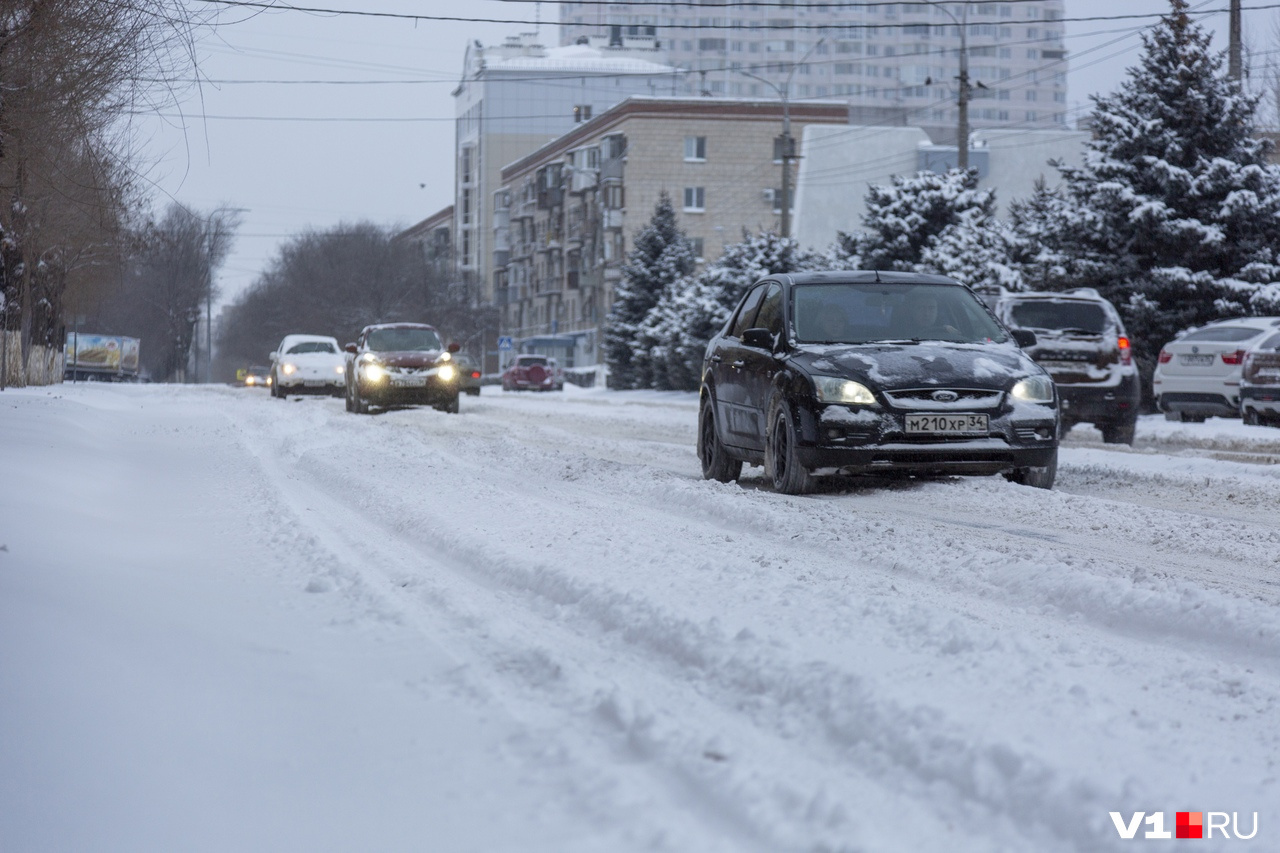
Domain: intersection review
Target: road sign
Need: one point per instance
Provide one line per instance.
(505, 342)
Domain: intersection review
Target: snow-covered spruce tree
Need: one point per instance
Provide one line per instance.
(662, 255)
(975, 250)
(694, 308)
(1174, 213)
(905, 217)
(1038, 262)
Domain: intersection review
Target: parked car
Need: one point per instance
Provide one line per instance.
(469, 375)
(1198, 373)
(394, 364)
(257, 377)
(873, 372)
(1260, 383)
(1082, 342)
(532, 372)
(306, 364)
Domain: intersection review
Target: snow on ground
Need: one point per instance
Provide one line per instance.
(229, 622)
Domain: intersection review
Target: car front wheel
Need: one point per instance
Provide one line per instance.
(359, 404)
(449, 406)
(1038, 478)
(717, 464)
(1118, 433)
(783, 455)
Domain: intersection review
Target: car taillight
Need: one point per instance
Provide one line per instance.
(1165, 356)
(475, 374)
(1126, 352)
(1233, 357)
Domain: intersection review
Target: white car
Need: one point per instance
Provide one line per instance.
(1198, 374)
(308, 364)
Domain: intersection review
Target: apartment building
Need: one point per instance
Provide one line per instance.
(894, 63)
(565, 213)
(517, 96)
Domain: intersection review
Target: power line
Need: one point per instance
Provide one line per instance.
(277, 6)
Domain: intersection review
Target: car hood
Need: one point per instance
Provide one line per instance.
(898, 366)
(411, 358)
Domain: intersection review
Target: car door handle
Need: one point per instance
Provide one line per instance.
(738, 365)
(717, 359)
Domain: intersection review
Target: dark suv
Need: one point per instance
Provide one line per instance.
(1082, 343)
(394, 364)
(872, 372)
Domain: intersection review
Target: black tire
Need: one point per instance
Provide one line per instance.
(1038, 478)
(449, 406)
(346, 399)
(359, 404)
(782, 456)
(1118, 433)
(1250, 417)
(717, 464)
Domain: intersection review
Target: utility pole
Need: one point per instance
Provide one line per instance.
(962, 100)
(786, 142)
(1234, 64)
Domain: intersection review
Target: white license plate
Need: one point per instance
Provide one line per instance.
(948, 424)
(1195, 360)
(314, 383)
(409, 381)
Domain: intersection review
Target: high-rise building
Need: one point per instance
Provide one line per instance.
(895, 63)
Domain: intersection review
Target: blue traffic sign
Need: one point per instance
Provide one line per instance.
(505, 342)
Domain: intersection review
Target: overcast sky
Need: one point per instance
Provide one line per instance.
(310, 155)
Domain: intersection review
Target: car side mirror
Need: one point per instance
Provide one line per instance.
(1024, 337)
(758, 338)
(351, 348)
(455, 346)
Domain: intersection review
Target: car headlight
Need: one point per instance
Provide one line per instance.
(832, 389)
(446, 372)
(289, 368)
(1034, 389)
(446, 356)
(374, 372)
(339, 370)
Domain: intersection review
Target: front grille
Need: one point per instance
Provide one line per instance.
(922, 399)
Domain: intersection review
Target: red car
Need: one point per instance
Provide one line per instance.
(530, 372)
(397, 364)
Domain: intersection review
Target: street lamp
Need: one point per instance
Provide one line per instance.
(788, 144)
(962, 101)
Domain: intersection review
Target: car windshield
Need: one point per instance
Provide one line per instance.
(1223, 334)
(313, 346)
(866, 312)
(403, 340)
(529, 361)
(1059, 315)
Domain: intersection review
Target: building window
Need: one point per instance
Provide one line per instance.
(582, 112)
(613, 197)
(695, 148)
(466, 165)
(466, 207)
(695, 199)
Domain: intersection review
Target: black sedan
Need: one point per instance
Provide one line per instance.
(873, 373)
(397, 364)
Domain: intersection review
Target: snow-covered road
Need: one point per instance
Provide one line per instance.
(230, 622)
